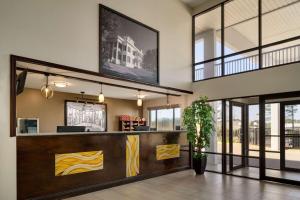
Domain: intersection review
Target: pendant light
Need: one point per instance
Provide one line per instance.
(101, 96)
(46, 89)
(84, 102)
(168, 102)
(139, 100)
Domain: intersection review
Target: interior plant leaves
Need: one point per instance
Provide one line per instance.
(199, 113)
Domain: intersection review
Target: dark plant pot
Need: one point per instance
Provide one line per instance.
(199, 165)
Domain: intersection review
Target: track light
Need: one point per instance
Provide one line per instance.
(46, 89)
(101, 96)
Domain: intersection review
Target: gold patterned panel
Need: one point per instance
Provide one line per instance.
(80, 162)
(132, 155)
(168, 151)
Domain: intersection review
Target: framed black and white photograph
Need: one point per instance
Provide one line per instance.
(90, 115)
(128, 49)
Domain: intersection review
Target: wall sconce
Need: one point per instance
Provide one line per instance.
(101, 95)
(46, 89)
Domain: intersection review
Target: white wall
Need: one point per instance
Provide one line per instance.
(266, 81)
(66, 32)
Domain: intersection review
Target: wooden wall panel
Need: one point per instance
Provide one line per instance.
(148, 160)
(36, 162)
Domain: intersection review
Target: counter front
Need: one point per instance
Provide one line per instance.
(62, 165)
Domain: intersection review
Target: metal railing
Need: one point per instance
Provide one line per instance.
(292, 139)
(276, 57)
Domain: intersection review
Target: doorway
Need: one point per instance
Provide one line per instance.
(290, 136)
(236, 136)
(242, 138)
(282, 135)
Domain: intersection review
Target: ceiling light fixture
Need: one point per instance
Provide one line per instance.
(101, 95)
(61, 84)
(140, 99)
(46, 89)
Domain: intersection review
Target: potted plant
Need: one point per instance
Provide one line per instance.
(199, 122)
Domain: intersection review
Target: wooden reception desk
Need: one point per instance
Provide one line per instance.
(61, 165)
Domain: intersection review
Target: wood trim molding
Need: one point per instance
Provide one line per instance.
(13, 112)
(164, 107)
(78, 70)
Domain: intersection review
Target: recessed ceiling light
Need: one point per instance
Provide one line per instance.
(60, 84)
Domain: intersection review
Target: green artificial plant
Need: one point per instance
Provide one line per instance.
(198, 120)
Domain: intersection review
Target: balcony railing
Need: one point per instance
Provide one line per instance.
(276, 57)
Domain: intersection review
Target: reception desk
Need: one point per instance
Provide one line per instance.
(52, 166)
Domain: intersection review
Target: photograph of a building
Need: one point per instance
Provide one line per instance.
(128, 49)
(122, 51)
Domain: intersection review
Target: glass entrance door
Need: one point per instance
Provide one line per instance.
(282, 150)
(290, 136)
(236, 136)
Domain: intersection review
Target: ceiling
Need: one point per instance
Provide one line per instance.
(89, 83)
(36, 81)
(193, 3)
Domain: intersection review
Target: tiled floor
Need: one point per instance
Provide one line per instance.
(186, 186)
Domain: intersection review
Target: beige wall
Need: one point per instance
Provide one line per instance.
(66, 32)
(31, 104)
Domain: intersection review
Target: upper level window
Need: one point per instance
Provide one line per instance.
(165, 119)
(228, 39)
(207, 34)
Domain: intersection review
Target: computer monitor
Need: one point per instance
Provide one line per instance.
(66, 129)
(141, 128)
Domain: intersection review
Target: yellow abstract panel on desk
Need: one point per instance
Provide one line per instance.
(132, 155)
(167, 151)
(80, 162)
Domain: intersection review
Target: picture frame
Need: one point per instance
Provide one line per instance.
(128, 49)
(28, 125)
(89, 114)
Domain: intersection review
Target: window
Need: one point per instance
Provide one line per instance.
(244, 35)
(165, 119)
(152, 120)
(207, 35)
(128, 59)
(129, 49)
(240, 25)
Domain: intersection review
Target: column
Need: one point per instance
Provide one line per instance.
(275, 126)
